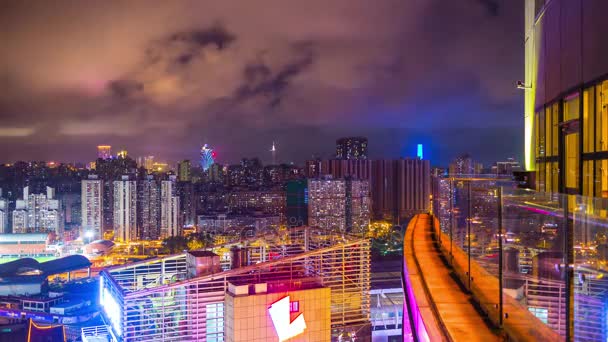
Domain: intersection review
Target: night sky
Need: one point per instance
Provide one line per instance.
(163, 77)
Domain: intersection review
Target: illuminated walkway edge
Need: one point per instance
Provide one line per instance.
(440, 310)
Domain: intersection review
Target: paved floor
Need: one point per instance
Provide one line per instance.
(457, 314)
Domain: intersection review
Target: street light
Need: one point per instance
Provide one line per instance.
(89, 235)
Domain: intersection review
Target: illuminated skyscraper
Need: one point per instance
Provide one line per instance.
(38, 213)
(462, 165)
(207, 157)
(92, 206)
(342, 204)
(273, 151)
(351, 148)
(146, 162)
(125, 209)
(148, 208)
(183, 171)
(169, 210)
(3, 215)
(122, 154)
(104, 151)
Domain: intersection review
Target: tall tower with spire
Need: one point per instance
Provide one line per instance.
(273, 150)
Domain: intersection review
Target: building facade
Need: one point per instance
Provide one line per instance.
(4, 228)
(125, 210)
(315, 289)
(92, 206)
(104, 151)
(183, 171)
(351, 148)
(342, 204)
(148, 208)
(169, 210)
(566, 96)
(38, 213)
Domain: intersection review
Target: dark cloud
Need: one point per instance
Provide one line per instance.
(216, 35)
(165, 76)
(261, 81)
(125, 88)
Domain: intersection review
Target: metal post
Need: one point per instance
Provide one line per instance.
(568, 272)
(500, 280)
(469, 231)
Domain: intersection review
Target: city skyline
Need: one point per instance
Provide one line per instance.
(196, 76)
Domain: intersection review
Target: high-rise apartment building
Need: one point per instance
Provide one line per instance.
(353, 168)
(342, 204)
(147, 162)
(351, 148)
(400, 188)
(169, 209)
(125, 209)
(413, 187)
(296, 200)
(184, 171)
(464, 165)
(148, 208)
(104, 151)
(38, 213)
(566, 96)
(92, 206)
(3, 215)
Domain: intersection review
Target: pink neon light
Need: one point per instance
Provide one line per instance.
(284, 326)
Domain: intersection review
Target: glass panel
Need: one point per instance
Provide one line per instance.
(554, 135)
(572, 157)
(588, 110)
(588, 178)
(533, 282)
(541, 134)
(601, 178)
(601, 117)
(540, 186)
(548, 131)
(571, 107)
(590, 259)
(548, 184)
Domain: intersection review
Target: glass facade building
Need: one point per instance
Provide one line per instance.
(566, 100)
(325, 275)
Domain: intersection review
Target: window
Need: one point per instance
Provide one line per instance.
(540, 313)
(540, 168)
(588, 178)
(555, 121)
(540, 134)
(572, 157)
(548, 131)
(215, 322)
(601, 178)
(588, 122)
(571, 107)
(601, 117)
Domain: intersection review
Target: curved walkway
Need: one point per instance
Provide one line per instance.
(443, 308)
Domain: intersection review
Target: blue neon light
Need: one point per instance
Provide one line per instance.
(419, 153)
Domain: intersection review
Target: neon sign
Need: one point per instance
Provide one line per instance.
(284, 326)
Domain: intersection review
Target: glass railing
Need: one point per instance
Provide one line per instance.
(536, 263)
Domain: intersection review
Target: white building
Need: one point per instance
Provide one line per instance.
(341, 204)
(92, 207)
(169, 209)
(3, 215)
(125, 210)
(38, 213)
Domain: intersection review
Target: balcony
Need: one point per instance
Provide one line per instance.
(494, 261)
